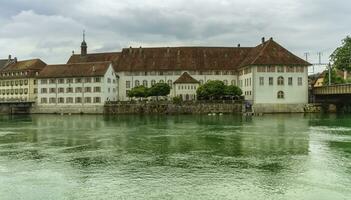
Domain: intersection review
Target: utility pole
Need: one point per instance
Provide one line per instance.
(306, 56)
(319, 58)
(329, 69)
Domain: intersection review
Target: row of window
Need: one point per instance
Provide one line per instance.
(280, 81)
(187, 87)
(15, 82)
(15, 74)
(70, 90)
(169, 82)
(70, 100)
(14, 91)
(75, 80)
(281, 69)
(171, 73)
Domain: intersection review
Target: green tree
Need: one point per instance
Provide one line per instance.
(232, 90)
(138, 92)
(341, 57)
(335, 79)
(159, 89)
(211, 90)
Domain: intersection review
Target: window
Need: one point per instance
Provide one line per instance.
(61, 100)
(201, 82)
(78, 80)
(52, 81)
(161, 81)
(169, 82)
(78, 99)
(61, 81)
(44, 90)
(61, 90)
(290, 69)
(52, 90)
(280, 69)
(97, 100)
(137, 83)
(87, 99)
(43, 100)
(69, 100)
(145, 83)
(25, 82)
(280, 80)
(300, 69)
(108, 80)
(16, 82)
(43, 81)
(78, 89)
(88, 80)
(280, 95)
(20, 91)
(69, 90)
(261, 69)
(16, 91)
(127, 84)
(87, 89)
(69, 80)
(153, 82)
(26, 91)
(35, 91)
(271, 69)
(225, 82)
(97, 79)
(233, 82)
(270, 80)
(97, 89)
(290, 81)
(52, 100)
(299, 81)
(261, 80)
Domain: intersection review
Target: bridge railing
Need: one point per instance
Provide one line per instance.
(332, 89)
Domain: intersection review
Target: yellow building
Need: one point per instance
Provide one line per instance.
(18, 80)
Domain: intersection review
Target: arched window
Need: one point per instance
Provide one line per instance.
(169, 83)
(280, 80)
(161, 81)
(145, 83)
(233, 82)
(137, 83)
(280, 95)
(153, 82)
(225, 82)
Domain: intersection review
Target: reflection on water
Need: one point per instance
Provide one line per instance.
(175, 157)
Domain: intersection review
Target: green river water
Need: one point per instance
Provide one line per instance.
(175, 157)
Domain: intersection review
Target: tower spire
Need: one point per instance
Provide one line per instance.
(83, 46)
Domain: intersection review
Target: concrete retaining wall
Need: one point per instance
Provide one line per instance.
(67, 109)
(279, 108)
(169, 108)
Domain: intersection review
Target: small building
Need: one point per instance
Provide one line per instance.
(185, 87)
(18, 80)
(76, 88)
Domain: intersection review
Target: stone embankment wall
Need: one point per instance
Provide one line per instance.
(170, 108)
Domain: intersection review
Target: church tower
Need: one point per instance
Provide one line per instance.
(83, 47)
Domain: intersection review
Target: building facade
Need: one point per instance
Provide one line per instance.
(76, 88)
(18, 80)
(272, 78)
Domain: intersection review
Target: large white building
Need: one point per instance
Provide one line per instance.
(272, 78)
(76, 88)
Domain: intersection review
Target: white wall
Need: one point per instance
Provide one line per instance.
(293, 94)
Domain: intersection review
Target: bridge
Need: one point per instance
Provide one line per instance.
(16, 107)
(338, 95)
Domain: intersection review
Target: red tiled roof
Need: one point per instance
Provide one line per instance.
(75, 70)
(24, 65)
(181, 58)
(186, 78)
(94, 57)
(271, 53)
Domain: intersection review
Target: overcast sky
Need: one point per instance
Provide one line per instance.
(51, 29)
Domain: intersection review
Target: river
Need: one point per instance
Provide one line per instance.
(175, 157)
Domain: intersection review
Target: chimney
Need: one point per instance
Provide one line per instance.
(93, 68)
(271, 38)
(130, 49)
(9, 60)
(345, 74)
(263, 40)
(239, 45)
(15, 59)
